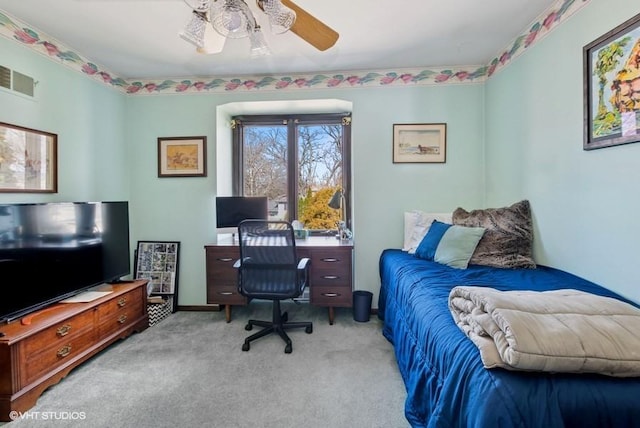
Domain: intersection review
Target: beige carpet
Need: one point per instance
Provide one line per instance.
(189, 371)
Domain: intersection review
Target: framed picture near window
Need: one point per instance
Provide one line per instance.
(28, 160)
(612, 87)
(420, 143)
(182, 157)
(157, 262)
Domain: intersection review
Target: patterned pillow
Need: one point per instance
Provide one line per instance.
(416, 226)
(508, 239)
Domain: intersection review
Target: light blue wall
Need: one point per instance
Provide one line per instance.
(519, 136)
(89, 119)
(584, 203)
(183, 208)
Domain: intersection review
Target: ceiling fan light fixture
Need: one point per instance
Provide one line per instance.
(199, 5)
(195, 29)
(259, 46)
(231, 18)
(213, 42)
(281, 18)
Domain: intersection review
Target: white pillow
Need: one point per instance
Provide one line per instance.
(416, 226)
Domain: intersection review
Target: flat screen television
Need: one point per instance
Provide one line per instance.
(52, 251)
(231, 210)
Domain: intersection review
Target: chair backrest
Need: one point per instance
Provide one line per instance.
(268, 260)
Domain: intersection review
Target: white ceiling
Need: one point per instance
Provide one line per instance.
(139, 38)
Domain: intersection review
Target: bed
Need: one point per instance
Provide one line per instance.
(447, 384)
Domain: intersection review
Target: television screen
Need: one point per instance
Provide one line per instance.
(231, 210)
(51, 251)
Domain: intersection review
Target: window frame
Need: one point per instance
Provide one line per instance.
(291, 121)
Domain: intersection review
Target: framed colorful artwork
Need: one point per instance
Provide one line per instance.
(182, 157)
(612, 87)
(420, 143)
(28, 160)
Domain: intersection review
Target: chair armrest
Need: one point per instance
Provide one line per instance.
(303, 263)
(237, 264)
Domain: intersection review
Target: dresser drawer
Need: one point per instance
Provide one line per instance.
(59, 333)
(120, 312)
(54, 355)
(331, 296)
(131, 300)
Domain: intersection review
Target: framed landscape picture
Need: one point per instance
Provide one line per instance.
(182, 157)
(612, 87)
(28, 160)
(420, 143)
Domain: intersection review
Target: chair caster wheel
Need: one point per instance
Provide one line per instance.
(248, 327)
(308, 329)
(288, 348)
(245, 346)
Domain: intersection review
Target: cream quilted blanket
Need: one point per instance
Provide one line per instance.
(551, 331)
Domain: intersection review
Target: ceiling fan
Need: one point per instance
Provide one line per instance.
(213, 21)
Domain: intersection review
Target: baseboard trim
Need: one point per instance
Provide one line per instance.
(200, 308)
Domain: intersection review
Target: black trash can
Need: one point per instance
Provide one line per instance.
(362, 305)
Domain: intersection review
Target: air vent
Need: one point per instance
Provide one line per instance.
(23, 83)
(5, 77)
(17, 82)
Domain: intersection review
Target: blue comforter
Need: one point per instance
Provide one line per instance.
(447, 385)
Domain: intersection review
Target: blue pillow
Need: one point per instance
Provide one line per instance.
(427, 247)
(448, 244)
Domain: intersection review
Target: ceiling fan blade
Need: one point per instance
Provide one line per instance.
(310, 29)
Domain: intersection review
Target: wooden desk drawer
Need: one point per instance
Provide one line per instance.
(331, 296)
(226, 295)
(220, 264)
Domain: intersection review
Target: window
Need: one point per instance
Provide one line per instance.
(298, 162)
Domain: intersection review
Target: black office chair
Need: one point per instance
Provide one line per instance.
(269, 269)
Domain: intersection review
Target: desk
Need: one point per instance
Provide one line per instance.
(330, 273)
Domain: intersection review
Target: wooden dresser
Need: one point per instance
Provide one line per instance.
(40, 349)
(330, 282)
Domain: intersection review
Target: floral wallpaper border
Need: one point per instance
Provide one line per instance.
(20, 32)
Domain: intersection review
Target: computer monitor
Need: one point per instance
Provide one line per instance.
(231, 210)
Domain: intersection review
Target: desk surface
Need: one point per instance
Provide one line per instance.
(311, 241)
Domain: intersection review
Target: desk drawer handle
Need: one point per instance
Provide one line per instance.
(63, 331)
(330, 259)
(122, 301)
(330, 277)
(64, 351)
(225, 259)
(331, 294)
(122, 319)
(225, 293)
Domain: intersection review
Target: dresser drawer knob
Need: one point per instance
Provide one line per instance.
(64, 351)
(122, 301)
(330, 277)
(330, 259)
(331, 294)
(63, 331)
(122, 319)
